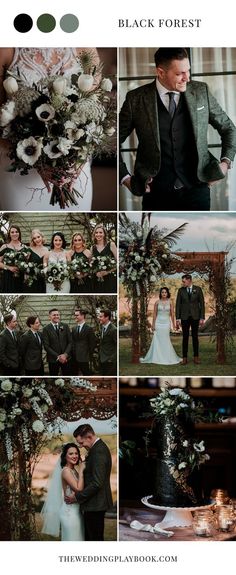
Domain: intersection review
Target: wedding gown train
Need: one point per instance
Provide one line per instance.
(161, 350)
(61, 519)
(28, 193)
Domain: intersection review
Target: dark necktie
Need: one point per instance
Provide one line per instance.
(38, 338)
(189, 292)
(103, 331)
(14, 336)
(57, 329)
(172, 104)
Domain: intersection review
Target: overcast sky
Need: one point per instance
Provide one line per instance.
(205, 231)
(107, 427)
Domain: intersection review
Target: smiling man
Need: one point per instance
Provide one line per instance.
(174, 168)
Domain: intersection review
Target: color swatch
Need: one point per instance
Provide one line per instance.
(23, 23)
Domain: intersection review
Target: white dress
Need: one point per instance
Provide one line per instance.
(53, 258)
(28, 193)
(71, 520)
(161, 350)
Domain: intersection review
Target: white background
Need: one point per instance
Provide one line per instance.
(99, 27)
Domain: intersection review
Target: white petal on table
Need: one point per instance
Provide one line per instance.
(148, 527)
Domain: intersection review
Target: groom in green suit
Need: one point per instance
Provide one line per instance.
(190, 312)
(174, 168)
(96, 498)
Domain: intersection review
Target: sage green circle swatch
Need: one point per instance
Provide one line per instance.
(69, 23)
(46, 23)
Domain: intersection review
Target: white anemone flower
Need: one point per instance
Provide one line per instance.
(64, 145)
(52, 150)
(29, 150)
(45, 112)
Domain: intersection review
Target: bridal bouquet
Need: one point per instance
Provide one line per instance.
(55, 274)
(55, 126)
(78, 267)
(103, 264)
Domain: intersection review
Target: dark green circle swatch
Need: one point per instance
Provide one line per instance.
(23, 23)
(46, 23)
(69, 23)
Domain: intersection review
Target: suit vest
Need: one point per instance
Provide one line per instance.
(178, 148)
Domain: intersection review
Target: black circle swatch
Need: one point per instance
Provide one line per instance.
(23, 23)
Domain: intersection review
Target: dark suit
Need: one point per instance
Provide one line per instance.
(31, 353)
(141, 112)
(9, 353)
(190, 309)
(57, 344)
(96, 496)
(108, 351)
(83, 345)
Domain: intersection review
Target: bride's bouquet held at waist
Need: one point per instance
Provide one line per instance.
(56, 126)
(55, 274)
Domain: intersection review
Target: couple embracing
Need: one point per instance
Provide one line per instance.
(190, 313)
(79, 493)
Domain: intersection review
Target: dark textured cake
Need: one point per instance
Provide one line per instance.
(177, 481)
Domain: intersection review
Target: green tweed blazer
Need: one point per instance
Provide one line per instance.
(140, 113)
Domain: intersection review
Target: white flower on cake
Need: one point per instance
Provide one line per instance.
(182, 465)
(199, 446)
(29, 150)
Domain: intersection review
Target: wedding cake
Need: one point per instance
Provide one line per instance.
(177, 480)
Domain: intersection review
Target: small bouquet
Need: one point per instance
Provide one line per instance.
(55, 274)
(58, 124)
(16, 258)
(30, 270)
(101, 264)
(78, 267)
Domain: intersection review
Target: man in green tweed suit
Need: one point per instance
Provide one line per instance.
(190, 312)
(174, 168)
(96, 498)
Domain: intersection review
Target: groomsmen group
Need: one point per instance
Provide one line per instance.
(68, 352)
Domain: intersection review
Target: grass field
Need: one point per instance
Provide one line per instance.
(208, 365)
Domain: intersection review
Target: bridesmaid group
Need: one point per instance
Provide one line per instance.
(82, 269)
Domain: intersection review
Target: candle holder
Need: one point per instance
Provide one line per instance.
(220, 497)
(204, 523)
(225, 518)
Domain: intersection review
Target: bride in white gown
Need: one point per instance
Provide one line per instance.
(57, 515)
(161, 350)
(28, 193)
(57, 255)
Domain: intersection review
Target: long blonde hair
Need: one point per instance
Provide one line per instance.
(74, 236)
(34, 231)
